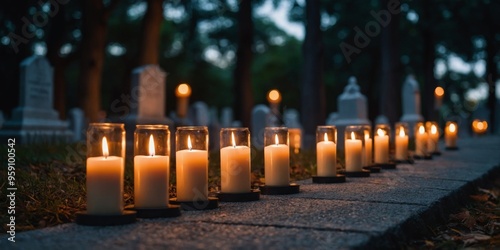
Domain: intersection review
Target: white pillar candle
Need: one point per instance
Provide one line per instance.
(421, 142)
(235, 168)
(450, 135)
(151, 173)
(105, 183)
(192, 174)
(381, 147)
(402, 145)
(433, 139)
(353, 154)
(277, 164)
(326, 157)
(368, 155)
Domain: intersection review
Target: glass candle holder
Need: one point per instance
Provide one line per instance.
(326, 151)
(105, 168)
(450, 134)
(192, 163)
(295, 135)
(433, 136)
(421, 138)
(381, 140)
(354, 140)
(235, 160)
(367, 146)
(151, 166)
(402, 141)
(276, 156)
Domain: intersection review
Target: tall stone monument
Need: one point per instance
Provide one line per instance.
(35, 120)
(411, 103)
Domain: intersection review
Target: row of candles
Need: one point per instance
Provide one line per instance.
(106, 159)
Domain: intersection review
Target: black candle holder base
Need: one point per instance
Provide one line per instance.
(127, 217)
(373, 168)
(253, 195)
(420, 157)
(161, 212)
(451, 148)
(390, 165)
(211, 203)
(436, 153)
(355, 174)
(409, 161)
(280, 190)
(329, 179)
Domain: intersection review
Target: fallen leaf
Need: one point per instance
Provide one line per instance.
(480, 197)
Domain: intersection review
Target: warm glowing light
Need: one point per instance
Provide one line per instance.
(433, 129)
(367, 135)
(183, 90)
(105, 150)
(380, 132)
(233, 140)
(190, 146)
(274, 96)
(326, 137)
(439, 91)
(401, 132)
(352, 136)
(276, 139)
(479, 126)
(421, 130)
(452, 127)
(151, 145)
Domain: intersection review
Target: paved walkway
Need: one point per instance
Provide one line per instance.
(363, 212)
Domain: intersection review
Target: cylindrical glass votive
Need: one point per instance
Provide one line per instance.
(235, 160)
(105, 168)
(192, 163)
(276, 156)
(402, 140)
(326, 150)
(381, 141)
(433, 136)
(421, 138)
(151, 166)
(295, 135)
(367, 146)
(354, 138)
(450, 134)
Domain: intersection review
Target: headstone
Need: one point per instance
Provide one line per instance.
(77, 124)
(382, 119)
(226, 119)
(199, 113)
(353, 110)
(291, 118)
(260, 114)
(35, 120)
(332, 118)
(411, 103)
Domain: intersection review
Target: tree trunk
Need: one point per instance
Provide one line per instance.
(94, 30)
(429, 58)
(491, 66)
(390, 85)
(312, 90)
(243, 101)
(150, 33)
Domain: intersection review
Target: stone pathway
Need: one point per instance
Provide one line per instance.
(363, 212)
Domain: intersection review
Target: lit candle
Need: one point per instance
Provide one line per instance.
(402, 145)
(326, 155)
(192, 173)
(381, 147)
(421, 141)
(105, 183)
(451, 135)
(235, 168)
(433, 139)
(277, 164)
(368, 156)
(353, 155)
(151, 173)
(183, 91)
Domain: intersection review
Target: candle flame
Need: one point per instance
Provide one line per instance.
(151, 146)
(480, 125)
(326, 137)
(367, 135)
(452, 127)
(105, 150)
(421, 129)
(190, 146)
(439, 91)
(276, 139)
(183, 90)
(433, 129)
(352, 136)
(401, 132)
(232, 138)
(380, 132)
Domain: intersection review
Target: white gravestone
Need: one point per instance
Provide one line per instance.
(200, 114)
(226, 117)
(411, 103)
(77, 124)
(35, 120)
(260, 116)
